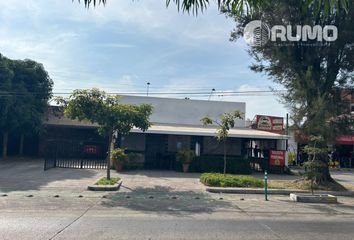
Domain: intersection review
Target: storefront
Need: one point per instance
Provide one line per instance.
(176, 125)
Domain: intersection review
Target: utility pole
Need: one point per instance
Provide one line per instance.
(287, 131)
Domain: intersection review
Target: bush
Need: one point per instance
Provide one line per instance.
(119, 157)
(185, 156)
(221, 180)
(235, 165)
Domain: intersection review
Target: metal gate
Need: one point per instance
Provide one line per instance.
(75, 154)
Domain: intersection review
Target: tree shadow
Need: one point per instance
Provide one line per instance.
(338, 208)
(345, 207)
(331, 209)
(25, 174)
(160, 199)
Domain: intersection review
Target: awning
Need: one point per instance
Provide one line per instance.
(172, 129)
(211, 131)
(346, 140)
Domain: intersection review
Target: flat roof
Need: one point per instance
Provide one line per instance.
(210, 131)
(57, 118)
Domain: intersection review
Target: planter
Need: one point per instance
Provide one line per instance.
(114, 187)
(185, 167)
(316, 198)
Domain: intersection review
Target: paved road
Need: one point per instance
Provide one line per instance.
(154, 205)
(170, 215)
(118, 225)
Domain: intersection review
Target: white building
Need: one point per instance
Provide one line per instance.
(176, 125)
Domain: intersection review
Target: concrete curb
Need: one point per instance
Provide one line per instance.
(273, 191)
(114, 187)
(317, 198)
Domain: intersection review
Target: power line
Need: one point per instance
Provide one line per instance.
(207, 93)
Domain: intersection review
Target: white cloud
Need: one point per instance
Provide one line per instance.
(115, 45)
(154, 19)
(52, 32)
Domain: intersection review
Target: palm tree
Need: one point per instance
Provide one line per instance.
(237, 6)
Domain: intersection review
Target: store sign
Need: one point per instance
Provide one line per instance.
(269, 123)
(277, 157)
(346, 140)
(91, 149)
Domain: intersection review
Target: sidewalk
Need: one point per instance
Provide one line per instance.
(272, 191)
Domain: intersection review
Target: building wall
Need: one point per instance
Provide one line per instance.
(186, 111)
(134, 142)
(347, 96)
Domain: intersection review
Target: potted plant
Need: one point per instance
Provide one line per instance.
(119, 158)
(185, 156)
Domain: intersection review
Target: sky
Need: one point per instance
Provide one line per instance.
(124, 45)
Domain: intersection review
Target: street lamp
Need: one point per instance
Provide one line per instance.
(211, 93)
(147, 88)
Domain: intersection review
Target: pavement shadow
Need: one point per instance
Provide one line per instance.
(18, 174)
(330, 208)
(166, 200)
(346, 208)
(162, 174)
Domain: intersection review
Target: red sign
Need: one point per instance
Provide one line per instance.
(270, 123)
(91, 149)
(277, 157)
(346, 140)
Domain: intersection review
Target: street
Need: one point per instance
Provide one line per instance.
(54, 204)
(170, 215)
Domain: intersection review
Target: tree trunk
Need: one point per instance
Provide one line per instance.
(22, 140)
(110, 144)
(325, 175)
(225, 156)
(5, 138)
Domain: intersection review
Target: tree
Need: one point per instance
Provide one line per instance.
(313, 166)
(34, 94)
(25, 90)
(313, 73)
(6, 76)
(240, 7)
(112, 116)
(227, 121)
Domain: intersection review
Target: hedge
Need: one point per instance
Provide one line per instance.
(221, 180)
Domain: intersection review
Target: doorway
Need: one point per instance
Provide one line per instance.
(156, 156)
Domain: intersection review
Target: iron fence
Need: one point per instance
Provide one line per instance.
(75, 154)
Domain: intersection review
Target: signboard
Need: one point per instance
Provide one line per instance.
(346, 140)
(270, 123)
(277, 157)
(91, 149)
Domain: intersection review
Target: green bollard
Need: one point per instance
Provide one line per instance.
(266, 185)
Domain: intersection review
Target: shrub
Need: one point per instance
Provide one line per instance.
(209, 163)
(119, 157)
(221, 180)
